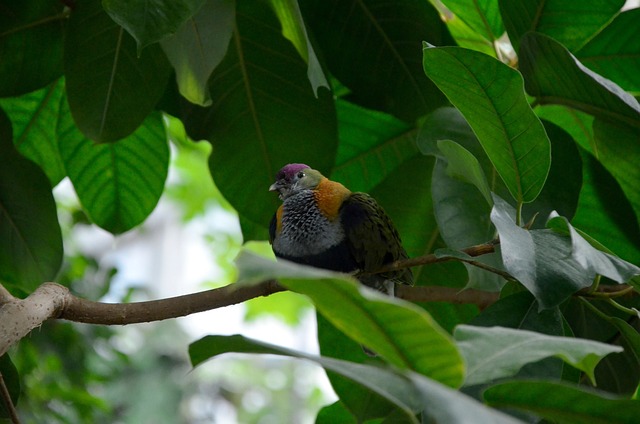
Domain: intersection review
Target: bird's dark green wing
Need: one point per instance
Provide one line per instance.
(371, 236)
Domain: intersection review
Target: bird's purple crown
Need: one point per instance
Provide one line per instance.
(288, 171)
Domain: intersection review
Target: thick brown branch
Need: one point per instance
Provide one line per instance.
(81, 310)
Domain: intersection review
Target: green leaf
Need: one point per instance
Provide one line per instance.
(30, 45)
(444, 405)
(540, 259)
(372, 145)
(198, 46)
(462, 215)
(605, 213)
(11, 380)
(572, 24)
(294, 30)
(461, 164)
(498, 352)
(617, 150)
(554, 76)
(149, 21)
(489, 94)
(110, 90)
(563, 403)
(385, 382)
(335, 413)
(594, 261)
(261, 121)
(30, 238)
(34, 117)
(440, 403)
(373, 45)
(615, 52)
(483, 16)
(402, 333)
(118, 184)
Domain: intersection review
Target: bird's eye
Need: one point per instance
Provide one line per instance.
(300, 174)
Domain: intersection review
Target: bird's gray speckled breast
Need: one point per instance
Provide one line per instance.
(305, 230)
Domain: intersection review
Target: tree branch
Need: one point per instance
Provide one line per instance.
(8, 403)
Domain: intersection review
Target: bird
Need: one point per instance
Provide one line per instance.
(322, 223)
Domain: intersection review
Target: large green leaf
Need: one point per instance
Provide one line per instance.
(605, 213)
(489, 94)
(594, 261)
(617, 149)
(119, 184)
(554, 76)
(411, 392)
(110, 89)
(149, 21)
(260, 120)
(293, 28)
(562, 403)
(31, 35)
(498, 352)
(615, 52)
(30, 239)
(384, 382)
(372, 145)
(198, 46)
(571, 23)
(373, 44)
(34, 117)
(462, 214)
(400, 332)
(483, 16)
(540, 259)
(462, 165)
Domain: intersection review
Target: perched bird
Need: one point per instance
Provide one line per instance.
(323, 224)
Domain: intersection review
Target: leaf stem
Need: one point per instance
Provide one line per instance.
(9, 406)
(619, 307)
(519, 213)
(58, 17)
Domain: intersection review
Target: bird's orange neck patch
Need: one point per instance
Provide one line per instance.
(279, 219)
(330, 195)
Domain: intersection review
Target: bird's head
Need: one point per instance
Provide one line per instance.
(294, 178)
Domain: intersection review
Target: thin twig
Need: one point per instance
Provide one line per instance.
(8, 403)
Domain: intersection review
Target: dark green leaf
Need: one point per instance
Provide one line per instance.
(615, 52)
(110, 89)
(483, 16)
(384, 382)
(617, 150)
(605, 213)
(119, 184)
(259, 120)
(372, 145)
(540, 259)
(373, 46)
(572, 24)
(11, 380)
(562, 188)
(34, 117)
(149, 21)
(563, 403)
(199, 46)
(30, 239)
(594, 261)
(554, 76)
(31, 36)
(293, 28)
(489, 95)
(497, 352)
(462, 165)
(335, 413)
(462, 215)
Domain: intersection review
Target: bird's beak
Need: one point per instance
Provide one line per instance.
(274, 187)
